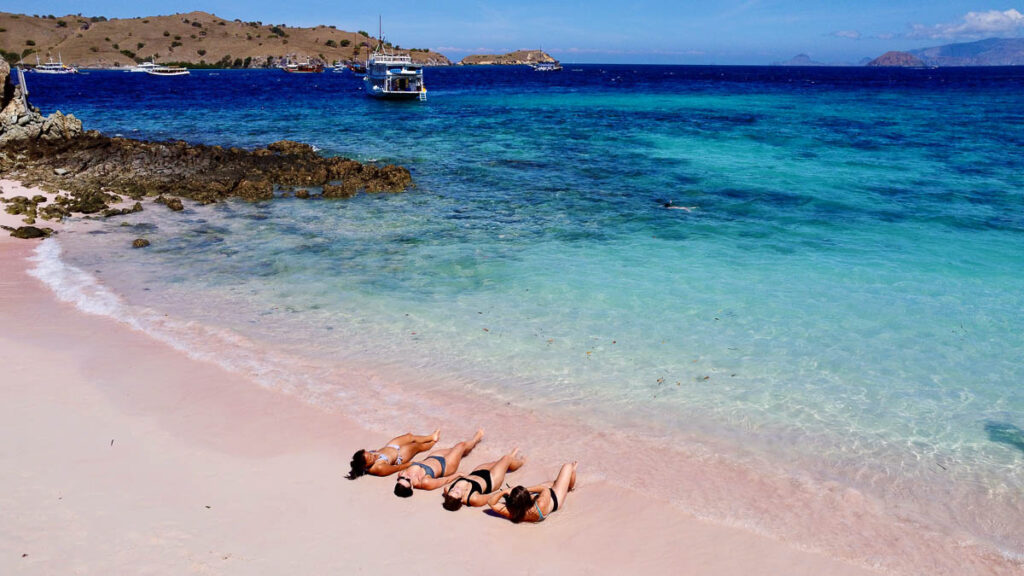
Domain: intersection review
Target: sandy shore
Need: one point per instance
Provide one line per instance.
(121, 455)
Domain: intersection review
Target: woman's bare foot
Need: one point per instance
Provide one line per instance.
(517, 460)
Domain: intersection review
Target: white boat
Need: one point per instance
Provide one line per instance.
(547, 66)
(144, 67)
(51, 67)
(167, 71)
(394, 76)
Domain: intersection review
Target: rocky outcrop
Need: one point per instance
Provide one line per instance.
(94, 171)
(19, 122)
(897, 59)
(94, 162)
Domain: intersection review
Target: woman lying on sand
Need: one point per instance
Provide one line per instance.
(475, 488)
(397, 455)
(436, 470)
(536, 503)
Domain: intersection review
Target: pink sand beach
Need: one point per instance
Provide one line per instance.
(121, 455)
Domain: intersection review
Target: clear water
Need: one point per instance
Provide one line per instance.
(839, 308)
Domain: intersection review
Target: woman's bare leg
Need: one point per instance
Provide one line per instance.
(509, 462)
(412, 445)
(565, 482)
(453, 456)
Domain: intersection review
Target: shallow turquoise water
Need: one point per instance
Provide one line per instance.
(843, 296)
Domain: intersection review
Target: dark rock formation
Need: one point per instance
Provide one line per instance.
(897, 59)
(202, 173)
(140, 243)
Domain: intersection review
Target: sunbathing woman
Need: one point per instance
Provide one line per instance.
(475, 488)
(391, 458)
(536, 503)
(436, 470)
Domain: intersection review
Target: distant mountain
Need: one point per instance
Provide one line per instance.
(800, 60)
(196, 38)
(517, 57)
(897, 59)
(990, 52)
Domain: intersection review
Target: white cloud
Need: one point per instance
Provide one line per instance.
(973, 25)
(850, 34)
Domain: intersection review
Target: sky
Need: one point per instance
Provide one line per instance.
(622, 31)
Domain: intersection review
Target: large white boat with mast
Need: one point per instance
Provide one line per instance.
(51, 67)
(393, 76)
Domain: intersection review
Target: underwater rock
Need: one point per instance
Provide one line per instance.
(140, 243)
(28, 232)
(254, 190)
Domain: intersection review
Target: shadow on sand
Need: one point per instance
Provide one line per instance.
(1005, 433)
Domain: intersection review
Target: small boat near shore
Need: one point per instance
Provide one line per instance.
(51, 67)
(307, 67)
(546, 66)
(168, 71)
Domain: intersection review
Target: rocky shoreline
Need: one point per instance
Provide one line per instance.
(93, 171)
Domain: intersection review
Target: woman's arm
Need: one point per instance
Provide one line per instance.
(435, 483)
(381, 469)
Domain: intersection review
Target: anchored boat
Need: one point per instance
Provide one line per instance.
(167, 71)
(393, 76)
(306, 68)
(51, 67)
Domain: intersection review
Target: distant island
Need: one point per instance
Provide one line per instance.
(195, 39)
(512, 58)
(897, 59)
(990, 52)
(800, 60)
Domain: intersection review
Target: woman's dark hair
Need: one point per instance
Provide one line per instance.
(518, 502)
(358, 465)
(452, 503)
(402, 491)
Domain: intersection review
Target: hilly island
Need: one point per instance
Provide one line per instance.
(195, 39)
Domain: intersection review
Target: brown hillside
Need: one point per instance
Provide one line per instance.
(517, 57)
(196, 38)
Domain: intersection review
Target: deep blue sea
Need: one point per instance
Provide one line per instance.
(807, 281)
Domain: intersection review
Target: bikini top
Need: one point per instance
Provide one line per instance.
(384, 457)
(475, 486)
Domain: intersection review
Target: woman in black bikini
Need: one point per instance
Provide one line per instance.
(475, 488)
(436, 470)
(392, 458)
(536, 503)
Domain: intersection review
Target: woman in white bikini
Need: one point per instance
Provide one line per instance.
(436, 470)
(536, 503)
(396, 456)
(475, 488)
